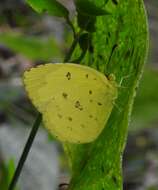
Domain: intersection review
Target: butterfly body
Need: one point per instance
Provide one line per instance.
(75, 100)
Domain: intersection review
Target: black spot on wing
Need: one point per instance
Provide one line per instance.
(64, 95)
(70, 118)
(68, 75)
(57, 107)
(87, 76)
(60, 116)
(78, 105)
(99, 103)
(90, 92)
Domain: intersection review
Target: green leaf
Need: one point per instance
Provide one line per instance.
(115, 2)
(98, 165)
(87, 13)
(84, 41)
(7, 171)
(89, 8)
(11, 169)
(4, 181)
(86, 22)
(52, 7)
(32, 47)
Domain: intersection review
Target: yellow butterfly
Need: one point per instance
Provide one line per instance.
(75, 100)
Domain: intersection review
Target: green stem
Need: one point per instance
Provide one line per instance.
(73, 46)
(34, 131)
(78, 60)
(72, 27)
(25, 151)
(71, 50)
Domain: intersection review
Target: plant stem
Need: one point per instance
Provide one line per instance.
(34, 130)
(69, 54)
(72, 27)
(25, 151)
(73, 46)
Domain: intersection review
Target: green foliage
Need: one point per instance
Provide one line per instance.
(115, 2)
(84, 41)
(31, 47)
(120, 44)
(87, 7)
(6, 175)
(146, 103)
(52, 7)
(86, 22)
(87, 13)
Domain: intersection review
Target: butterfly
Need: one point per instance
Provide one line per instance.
(75, 100)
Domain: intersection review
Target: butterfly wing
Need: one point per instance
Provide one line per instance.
(34, 80)
(75, 100)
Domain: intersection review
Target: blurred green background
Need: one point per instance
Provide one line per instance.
(28, 39)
